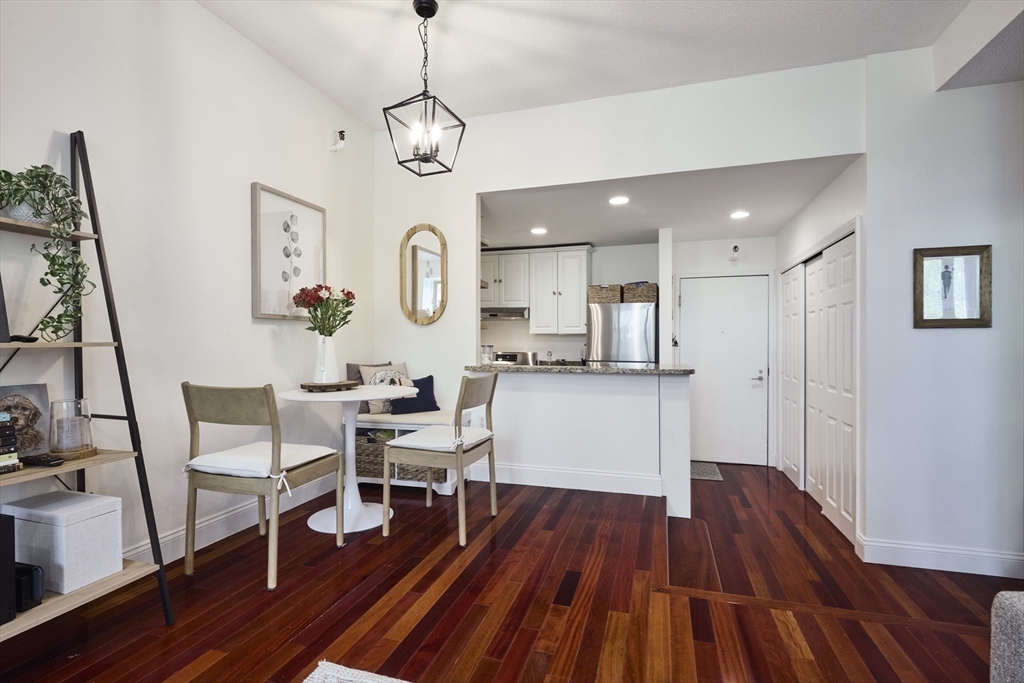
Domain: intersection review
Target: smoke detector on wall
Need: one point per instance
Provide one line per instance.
(339, 142)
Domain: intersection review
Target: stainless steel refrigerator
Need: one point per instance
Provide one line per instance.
(622, 334)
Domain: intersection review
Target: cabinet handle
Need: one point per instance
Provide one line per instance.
(559, 294)
(554, 293)
(500, 280)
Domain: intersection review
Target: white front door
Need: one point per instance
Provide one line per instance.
(723, 334)
(791, 374)
(831, 401)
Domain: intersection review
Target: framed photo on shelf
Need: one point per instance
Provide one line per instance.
(29, 408)
(953, 286)
(289, 238)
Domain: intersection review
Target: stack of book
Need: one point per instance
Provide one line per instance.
(8, 445)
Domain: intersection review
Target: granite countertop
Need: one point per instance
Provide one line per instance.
(585, 370)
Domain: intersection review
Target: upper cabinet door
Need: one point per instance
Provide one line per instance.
(544, 293)
(489, 274)
(514, 280)
(572, 291)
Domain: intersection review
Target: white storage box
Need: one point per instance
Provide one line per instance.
(75, 537)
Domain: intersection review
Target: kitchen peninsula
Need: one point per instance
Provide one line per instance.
(598, 428)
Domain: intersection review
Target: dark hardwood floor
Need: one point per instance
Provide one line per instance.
(563, 586)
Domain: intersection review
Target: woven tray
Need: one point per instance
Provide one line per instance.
(604, 294)
(344, 385)
(640, 293)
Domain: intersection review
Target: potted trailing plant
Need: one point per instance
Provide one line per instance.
(41, 195)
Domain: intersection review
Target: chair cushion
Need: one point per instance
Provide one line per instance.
(253, 460)
(439, 438)
(434, 417)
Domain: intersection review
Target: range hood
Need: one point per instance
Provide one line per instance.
(504, 313)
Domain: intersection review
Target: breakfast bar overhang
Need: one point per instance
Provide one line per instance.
(616, 429)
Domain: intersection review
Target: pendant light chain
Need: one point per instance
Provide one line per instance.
(423, 39)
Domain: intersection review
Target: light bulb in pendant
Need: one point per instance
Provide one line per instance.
(435, 139)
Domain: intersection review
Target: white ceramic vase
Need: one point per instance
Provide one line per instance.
(326, 370)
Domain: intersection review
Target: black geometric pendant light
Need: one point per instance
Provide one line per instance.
(425, 133)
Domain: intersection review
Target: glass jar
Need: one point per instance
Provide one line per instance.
(71, 429)
(486, 354)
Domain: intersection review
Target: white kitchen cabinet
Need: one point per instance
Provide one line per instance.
(573, 277)
(513, 280)
(544, 293)
(558, 291)
(509, 278)
(489, 274)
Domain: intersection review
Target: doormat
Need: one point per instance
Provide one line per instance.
(327, 672)
(707, 471)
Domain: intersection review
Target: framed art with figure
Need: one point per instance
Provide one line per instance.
(953, 286)
(29, 408)
(289, 236)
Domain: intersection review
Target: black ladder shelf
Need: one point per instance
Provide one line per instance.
(54, 605)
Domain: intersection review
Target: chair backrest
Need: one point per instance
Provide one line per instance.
(475, 391)
(255, 406)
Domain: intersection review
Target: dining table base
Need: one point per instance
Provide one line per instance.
(365, 516)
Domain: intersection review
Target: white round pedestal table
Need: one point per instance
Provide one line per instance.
(359, 516)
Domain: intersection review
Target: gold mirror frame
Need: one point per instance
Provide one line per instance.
(404, 269)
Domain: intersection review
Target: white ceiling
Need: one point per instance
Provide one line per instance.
(695, 204)
(489, 56)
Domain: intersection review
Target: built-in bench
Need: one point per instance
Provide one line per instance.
(370, 456)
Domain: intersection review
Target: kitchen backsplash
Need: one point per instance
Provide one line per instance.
(514, 335)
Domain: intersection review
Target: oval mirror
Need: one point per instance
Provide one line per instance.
(423, 274)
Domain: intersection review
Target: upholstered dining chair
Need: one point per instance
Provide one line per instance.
(260, 469)
(449, 447)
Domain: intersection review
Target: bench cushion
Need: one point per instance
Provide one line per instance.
(253, 460)
(439, 438)
(387, 420)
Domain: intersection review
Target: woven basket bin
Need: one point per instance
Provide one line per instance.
(370, 463)
(640, 293)
(604, 294)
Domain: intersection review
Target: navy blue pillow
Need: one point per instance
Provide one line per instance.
(423, 402)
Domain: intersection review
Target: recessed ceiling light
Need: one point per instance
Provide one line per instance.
(539, 231)
(618, 201)
(739, 214)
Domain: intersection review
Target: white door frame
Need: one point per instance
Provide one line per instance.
(854, 226)
(772, 307)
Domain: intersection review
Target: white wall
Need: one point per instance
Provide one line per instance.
(514, 335)
(628, 263)
(817, 111)
(181, 114)
(834, 207)
(944, 445)
(713, 256)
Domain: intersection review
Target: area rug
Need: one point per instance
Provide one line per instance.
(327, 672)
(707, 471)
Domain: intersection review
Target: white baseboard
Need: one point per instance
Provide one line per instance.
(212, 529)
(564, 478)
(942, 557)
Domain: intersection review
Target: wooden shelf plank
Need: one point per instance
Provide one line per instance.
(55, 604)
(54, 345)
(102, 457)
(37, 229)
(484, 242)
(484, 284)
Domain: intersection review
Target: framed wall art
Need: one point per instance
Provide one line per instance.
(953, 286)
(29, 408)
(289, 239)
